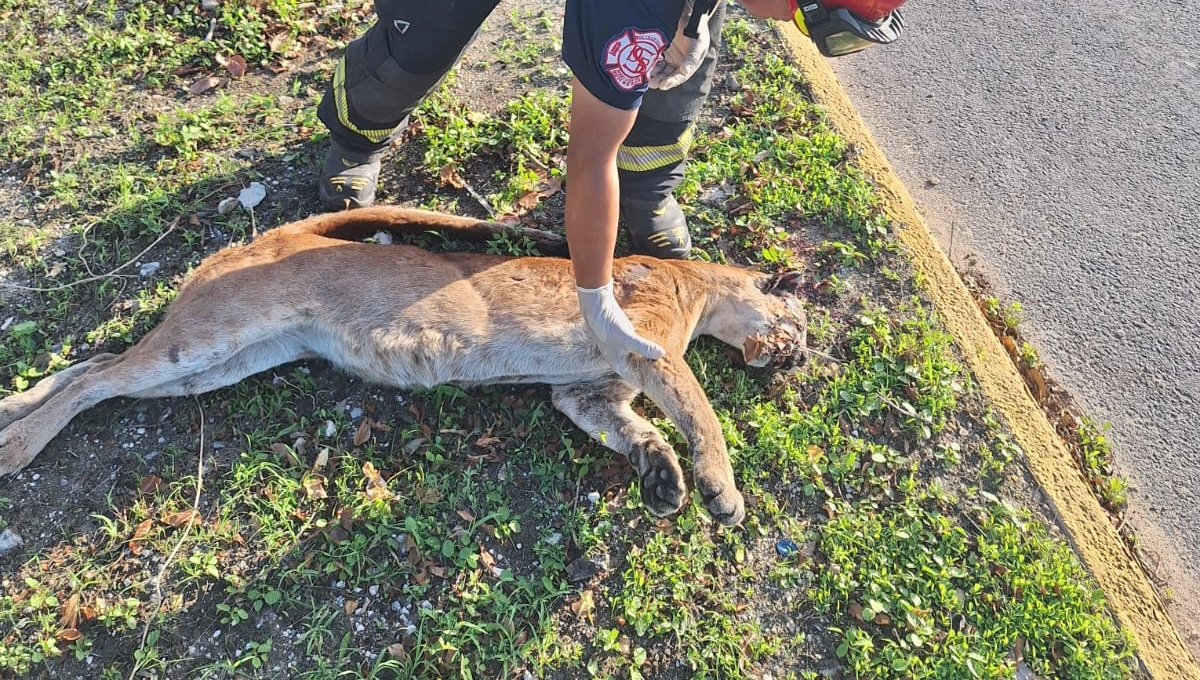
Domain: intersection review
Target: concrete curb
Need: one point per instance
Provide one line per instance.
(1133, 601)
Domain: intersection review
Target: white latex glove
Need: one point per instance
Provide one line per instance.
(611, 327)
(684, 55)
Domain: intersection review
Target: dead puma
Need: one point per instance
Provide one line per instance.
(406, 317)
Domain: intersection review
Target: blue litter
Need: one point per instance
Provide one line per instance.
(786, 547)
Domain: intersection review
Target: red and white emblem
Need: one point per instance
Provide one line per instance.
(630, 56)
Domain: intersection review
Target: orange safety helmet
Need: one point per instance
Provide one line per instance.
(844, 26)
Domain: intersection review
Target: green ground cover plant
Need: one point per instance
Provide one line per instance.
(306, 525)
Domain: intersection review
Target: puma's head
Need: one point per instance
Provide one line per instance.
(780, 343)
(764, 316)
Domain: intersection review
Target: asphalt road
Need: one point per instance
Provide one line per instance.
(1054, 148)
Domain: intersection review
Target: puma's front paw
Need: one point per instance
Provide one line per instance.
(723, 500)
(663, 488)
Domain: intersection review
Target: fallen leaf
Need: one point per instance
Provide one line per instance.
(487, 440)
(236, 66)
(139, 535)
(68, 635)
(397, 650)
(466, 515)
(322, 459)
(351, 606)
(585, 606)
(275, 42)
(285, 452)
(314, 487)
(204, 85)
(363, 433)
(449, 175)
(178, 519)
(529, 201)
(855, 610)
(486, 558)
(426, 495)
(376, 486)
(68, 614)
(149, 486)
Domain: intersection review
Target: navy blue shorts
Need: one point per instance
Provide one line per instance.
(612, 45)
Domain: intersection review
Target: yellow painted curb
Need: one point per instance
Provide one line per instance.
(1133, 602)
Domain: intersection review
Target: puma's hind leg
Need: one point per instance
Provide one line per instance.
(163, 364)
(602, 409)
(17, 406)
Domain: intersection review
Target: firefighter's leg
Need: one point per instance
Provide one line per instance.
(652, 158)
(384, 75)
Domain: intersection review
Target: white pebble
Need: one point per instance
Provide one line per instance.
(252, 195)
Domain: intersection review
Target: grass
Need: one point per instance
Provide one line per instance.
(305, 525)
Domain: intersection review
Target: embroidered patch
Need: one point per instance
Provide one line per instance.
(629, 57)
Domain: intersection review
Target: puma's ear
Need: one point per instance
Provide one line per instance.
(784, 282)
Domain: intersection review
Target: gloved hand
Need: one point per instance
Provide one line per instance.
(611, 327)
(684, 55)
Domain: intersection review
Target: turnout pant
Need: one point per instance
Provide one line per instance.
(403, 57)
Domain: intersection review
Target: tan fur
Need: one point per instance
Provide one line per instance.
(406, 317)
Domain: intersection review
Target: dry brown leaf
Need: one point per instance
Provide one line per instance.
(285, 453)
(204, 85)
(363, 433)
(149, 486)
(466, 515)
(397, 650)
(275, 42)
(351, 606)
(529, 201)
(449, 175)
(585, 606)
(68, 635)
(486, 558)
(855, 610)
(180, 518)
(322, 459)
(139, 535)
(236, 66)
(426, 495)
(314, 487)
(487, 440)
(376, 486)
(68, 614)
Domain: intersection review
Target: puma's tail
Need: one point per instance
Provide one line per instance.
(364, 222)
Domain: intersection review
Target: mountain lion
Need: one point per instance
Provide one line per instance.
(402, 316)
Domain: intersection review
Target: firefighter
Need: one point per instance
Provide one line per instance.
(641, 68)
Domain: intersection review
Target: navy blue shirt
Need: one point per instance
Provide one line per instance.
(613, 45)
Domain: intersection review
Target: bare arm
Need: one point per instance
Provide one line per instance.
(597, 131)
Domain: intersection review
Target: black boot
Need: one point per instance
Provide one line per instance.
(657, 229)
(348, 178)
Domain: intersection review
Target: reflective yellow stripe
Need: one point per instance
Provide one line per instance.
(645, 158)
(343, 111)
